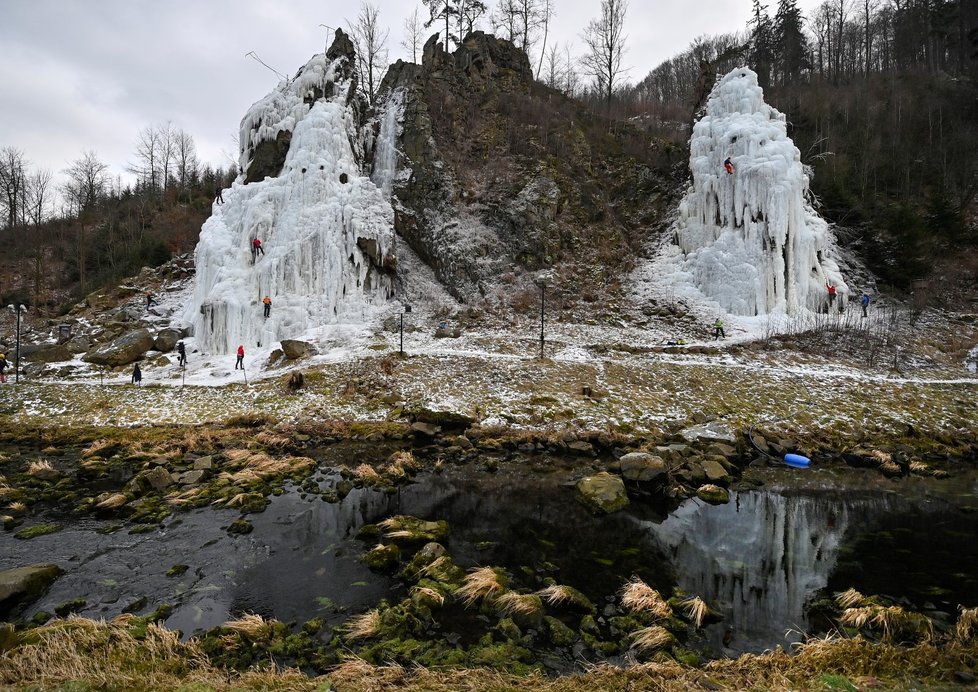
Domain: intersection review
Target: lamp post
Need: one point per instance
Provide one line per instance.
(18, 311)
(407, 309)
(541, 280)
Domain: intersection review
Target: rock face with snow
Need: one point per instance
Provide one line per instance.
(749, 240)
(326, 229)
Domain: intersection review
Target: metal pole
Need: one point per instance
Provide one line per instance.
(402, 334)
(543, 291)
(17, 354)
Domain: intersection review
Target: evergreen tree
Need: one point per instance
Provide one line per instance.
(761, 42)
(790, 42)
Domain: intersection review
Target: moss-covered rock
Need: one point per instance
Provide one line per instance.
(383, 558)
(713, 494)
(408, 529)
(602, 493)
(23, 585)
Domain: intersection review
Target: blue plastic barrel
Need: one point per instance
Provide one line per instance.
(797, 461)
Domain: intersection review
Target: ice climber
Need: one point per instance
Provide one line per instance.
(256, 248)
(718, 330)
(150, 302)
(831, 288)
(268, 305)
(728, 164)
(240, 360)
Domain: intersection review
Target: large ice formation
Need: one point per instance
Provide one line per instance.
(325, 227)
(750, 240)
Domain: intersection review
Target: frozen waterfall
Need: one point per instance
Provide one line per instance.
(326, 229)
(749, 240)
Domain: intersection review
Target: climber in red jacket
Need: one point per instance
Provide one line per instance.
(728, 164)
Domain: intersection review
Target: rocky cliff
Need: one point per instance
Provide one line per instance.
(496, 174)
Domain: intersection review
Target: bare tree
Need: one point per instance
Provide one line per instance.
(371, 46)
(38, 203)
(187, 163)
(148, 154)
(841, 10)
(83, 191)
(546, 13)
(412, 34)
(13, 171)
(437, 11)
(469, 13)
(604, 41)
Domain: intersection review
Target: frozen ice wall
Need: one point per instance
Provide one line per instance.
(326, 229)
(749, 240)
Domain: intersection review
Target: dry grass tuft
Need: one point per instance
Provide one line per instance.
(850, 599)
(436, 565)
(696, 609)
(96, 447)
(637, 595)
(512, 603)
(363, 626)
(857, 617)
(17, 507)
(557, 594)
(921, 469)
(880, 456)
(251, 626)
(39, 468)
(967, 628)
(428, 594)
(366, 473)
(113, 501)
(273, 440)
(480, 583)
(651, 638)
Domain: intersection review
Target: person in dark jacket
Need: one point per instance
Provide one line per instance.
(182, 352)
(864, 301)
(137, 374)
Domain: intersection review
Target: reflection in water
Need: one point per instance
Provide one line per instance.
(759, 559)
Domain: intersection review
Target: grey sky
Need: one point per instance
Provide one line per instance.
(79, 75)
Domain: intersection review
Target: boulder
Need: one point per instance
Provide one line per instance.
(25, 584)
(713, 494)
(641, 466)
(156, 478)
(166, 340)
(45, 353)
(714, 470)
(714, 430)
(582, 447)
(124, 350)
(427, 429)
(602, 493)
(192, 477)
(297, 349)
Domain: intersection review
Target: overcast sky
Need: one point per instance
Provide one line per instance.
(78, 75)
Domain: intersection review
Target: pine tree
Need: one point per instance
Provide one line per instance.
(761, 42)
(791, 42)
